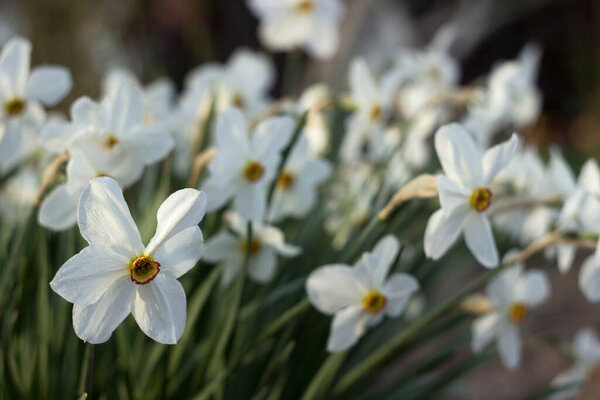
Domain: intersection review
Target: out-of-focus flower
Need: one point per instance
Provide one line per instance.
(316, 127)
(230, 249)
(586, 350)
(246, 165)
(512, 294)
(296, 188)
(116, 275)
(374, 107)
(18, 194)
(359, 297)
(106, 139)
(21, 92)
(465, 194)
(290, 24)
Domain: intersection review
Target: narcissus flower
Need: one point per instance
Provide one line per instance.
(21, 92)
(230, 249)
(586, 350)
(290, 24)
(246, 165)
(465, 194)
(296, 188)
(512, 295)
(359, 297)
(116, 275)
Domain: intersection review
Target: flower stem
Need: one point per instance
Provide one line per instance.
(86, 381)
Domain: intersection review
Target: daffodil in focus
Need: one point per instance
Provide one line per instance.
(360, 297)
(290, 24)
(21, 91)
(230, 249)
(116, 275)
(465, 194)
(245, 164)
(296, 186)
(586, 365)
(512, 295)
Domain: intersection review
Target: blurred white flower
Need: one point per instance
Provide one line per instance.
(290, 24)
(296, 188)
(18, 194)
(512, 294)
(359, 297)
(115, 275)
(465, 194)
(230, 250)
(589, 277)
(21, 92)
(245, 165)
(586, 350)
(106, 139)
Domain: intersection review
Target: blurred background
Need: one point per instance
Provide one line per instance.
(155, 38)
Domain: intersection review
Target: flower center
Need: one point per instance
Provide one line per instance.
(111, 141)
(374, 302)
(143, 270)
(376, 112)
(253, 171)
(286, 180)
(255, 246)
(481, 199)
(517, 312)
(304, 7)
(15, 107)
(239, 101)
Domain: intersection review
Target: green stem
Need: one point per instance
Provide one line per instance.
(86, 381)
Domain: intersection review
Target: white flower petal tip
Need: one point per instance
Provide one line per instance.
(114, 276)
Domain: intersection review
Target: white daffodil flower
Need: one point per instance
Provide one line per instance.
(512, 294)
(374, 107)
(589, 277)
(513, 93)
(289, 24)
(586, 350)
(246, 165)
(230, 249)
(21, 92)
(465, 195)
(360, 297)
(296, 188)
(116, 275)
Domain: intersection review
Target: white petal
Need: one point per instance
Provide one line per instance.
(251, 202)
(220, 246)
(480, 240)
(501, 290)
(498, 157)
(347, 327)
(84, 111)
(149, 143)
(589, 279)
(560, 172)
(95, 323)
(459, 156)
(451, 195)
(263, 266)
(56, 136)
(105, 220)
(362, 85)
(181, 252)
(483, 331)
(217, 194)
(398, 290)
(333, 287)
(324, 40)
(49, 84)
(127, 109)
(589, 177)
(441, 232)
(232, 133)
(533, 288)
(59, 209)
(586, 346)
(14, 62)
(274, 238)
(88, 274)
(382, 257)
(565, 257)
(159, 309)
(272, 135)
(509, 346)
(181, 210)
